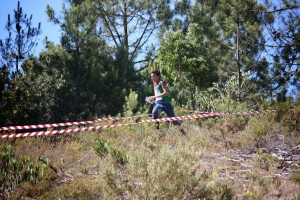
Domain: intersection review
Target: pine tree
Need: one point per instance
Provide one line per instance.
(15, 50)
(130, 24)
(282, 46)
(89, 64)
(231, 32)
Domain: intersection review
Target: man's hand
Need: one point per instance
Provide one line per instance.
(152, 98)
(149, 100)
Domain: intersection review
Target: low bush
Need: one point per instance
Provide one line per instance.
(258, 127)
(266, 161)
(165, 172)
(291, 120)
(14, 171)
(103, 147)
(296, 176)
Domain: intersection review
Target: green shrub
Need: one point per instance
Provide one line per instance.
(165, 172)
(103, 147)
(258, 185)
(234, 123)
(266, 161)
(282, 108)
(131, 104)
(291, 120)
(260, 125)
(220, 191)
(119, 156)
(14, 172)
(296, 176)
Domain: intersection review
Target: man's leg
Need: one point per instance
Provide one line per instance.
(168, 108)
(155, 111)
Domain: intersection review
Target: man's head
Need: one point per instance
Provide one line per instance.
(155, 75)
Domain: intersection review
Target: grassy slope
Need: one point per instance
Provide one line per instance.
(225, 158)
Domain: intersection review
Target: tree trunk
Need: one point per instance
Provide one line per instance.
(238, 58)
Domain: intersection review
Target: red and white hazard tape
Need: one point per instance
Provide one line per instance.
(122, 118)
(10, 128)
(95, 128)
(196, 111)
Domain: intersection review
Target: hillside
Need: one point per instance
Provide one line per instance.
(231, 157)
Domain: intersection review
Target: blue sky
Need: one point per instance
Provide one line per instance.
(38, 11)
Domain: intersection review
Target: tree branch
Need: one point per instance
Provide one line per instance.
(145, 65)
(104, 15)
(140, 39)
(277, 10)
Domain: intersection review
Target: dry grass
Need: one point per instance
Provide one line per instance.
(210, 162)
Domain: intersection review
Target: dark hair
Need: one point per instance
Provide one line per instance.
(156, 72)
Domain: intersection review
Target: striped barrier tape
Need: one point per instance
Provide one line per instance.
(122, 118)
(196, 111)
(95, 128)
(27, 127)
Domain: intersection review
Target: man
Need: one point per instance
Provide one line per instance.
(162, 99)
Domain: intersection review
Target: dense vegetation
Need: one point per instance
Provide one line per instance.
(108, 49)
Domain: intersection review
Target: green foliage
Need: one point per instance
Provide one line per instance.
(95, 69)
(34, 95)
(233, 123)
(181, 60)
(296, 176)
(131, 104)
(282, 108)
(132, 26)
(222, 96)
(210, 62)
(290, 117)
(266, 161)
(260, 125)
(164, 172)
(15, 50)
(119, 156)
(229, 96)
(103, 147)
(14, 172)
(259, 186)
(282, 71)
(220, 190)
(183, 65)
(202, 101)
(97, 74)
